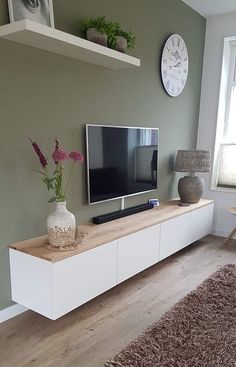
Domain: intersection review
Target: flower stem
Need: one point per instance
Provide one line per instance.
(60, 180)
(69, 177)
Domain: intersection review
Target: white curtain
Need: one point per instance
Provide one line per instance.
(227, 151)
(227, 166)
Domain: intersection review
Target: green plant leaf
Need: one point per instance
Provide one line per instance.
(48, 182)
(129, 36)
(54, 198)
(41, 172)
(99, 23)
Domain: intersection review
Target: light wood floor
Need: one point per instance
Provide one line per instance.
(88, 336)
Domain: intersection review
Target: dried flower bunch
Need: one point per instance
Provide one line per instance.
(54, 181)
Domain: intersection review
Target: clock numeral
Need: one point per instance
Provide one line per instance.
(167, 84)
(164, 73)
(183, 49)
(172, 89)
(164, 60)
(178, 42)
(185, 71)
(182, 81)
(173, 42)
(185, 59)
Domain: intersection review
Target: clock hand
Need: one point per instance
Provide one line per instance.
(176, 55)
(176, 66)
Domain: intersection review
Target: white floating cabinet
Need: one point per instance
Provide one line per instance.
(175, 235)
(54, 289)
(31, 282)
(53, 283)
(137, 252)
(201, 222)
(179, 232)
(29, 33)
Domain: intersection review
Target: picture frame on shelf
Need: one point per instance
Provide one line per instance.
(40, 11)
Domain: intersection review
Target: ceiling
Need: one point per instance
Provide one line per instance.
(212, 7)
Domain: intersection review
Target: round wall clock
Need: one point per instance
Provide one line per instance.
(174, 65)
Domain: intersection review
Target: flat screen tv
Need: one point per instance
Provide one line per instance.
(121, 161)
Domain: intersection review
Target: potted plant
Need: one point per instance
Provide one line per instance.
(61, 223)
(106, 33)
(94, 29)
(124, 40)
(112, 30)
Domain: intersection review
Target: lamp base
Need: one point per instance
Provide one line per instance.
(190, 189)
(183, 204)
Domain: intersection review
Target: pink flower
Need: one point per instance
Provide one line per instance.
(42, 159)
(60, 156)
(77, 157)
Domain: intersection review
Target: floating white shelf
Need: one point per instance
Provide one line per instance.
(49, 39)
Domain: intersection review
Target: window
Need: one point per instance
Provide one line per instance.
(224, 173)
(148, 137)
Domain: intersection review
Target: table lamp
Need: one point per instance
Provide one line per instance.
(190, 188)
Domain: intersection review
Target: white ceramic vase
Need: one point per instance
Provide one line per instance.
(61, 226)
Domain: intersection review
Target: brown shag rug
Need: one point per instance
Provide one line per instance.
(199, 331)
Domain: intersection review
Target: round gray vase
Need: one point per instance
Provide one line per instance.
(190, 189)
(121, 44)
(97, 37)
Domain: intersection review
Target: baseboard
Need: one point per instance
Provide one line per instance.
(11, 311)
(221, 233)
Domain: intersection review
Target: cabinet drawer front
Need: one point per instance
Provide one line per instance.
(31, 282)
(174, 235)
(201, 222)
(82, 277)
(137, 252)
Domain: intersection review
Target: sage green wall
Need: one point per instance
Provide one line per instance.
(43, 95)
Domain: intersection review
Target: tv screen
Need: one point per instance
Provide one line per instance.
(121, 161)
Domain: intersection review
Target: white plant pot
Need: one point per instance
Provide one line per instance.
(61, 226)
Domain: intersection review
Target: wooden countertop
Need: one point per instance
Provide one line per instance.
(94, 235)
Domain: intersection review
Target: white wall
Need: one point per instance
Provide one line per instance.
(217, 28)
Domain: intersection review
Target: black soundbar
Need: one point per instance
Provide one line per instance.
(121, 213)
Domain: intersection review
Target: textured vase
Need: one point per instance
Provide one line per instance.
(121, 44)
(61, 226)
(97, 37)
(190, 189)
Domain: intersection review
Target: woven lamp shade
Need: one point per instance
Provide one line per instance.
(193, 161)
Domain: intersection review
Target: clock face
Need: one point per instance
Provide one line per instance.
(174, 65)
